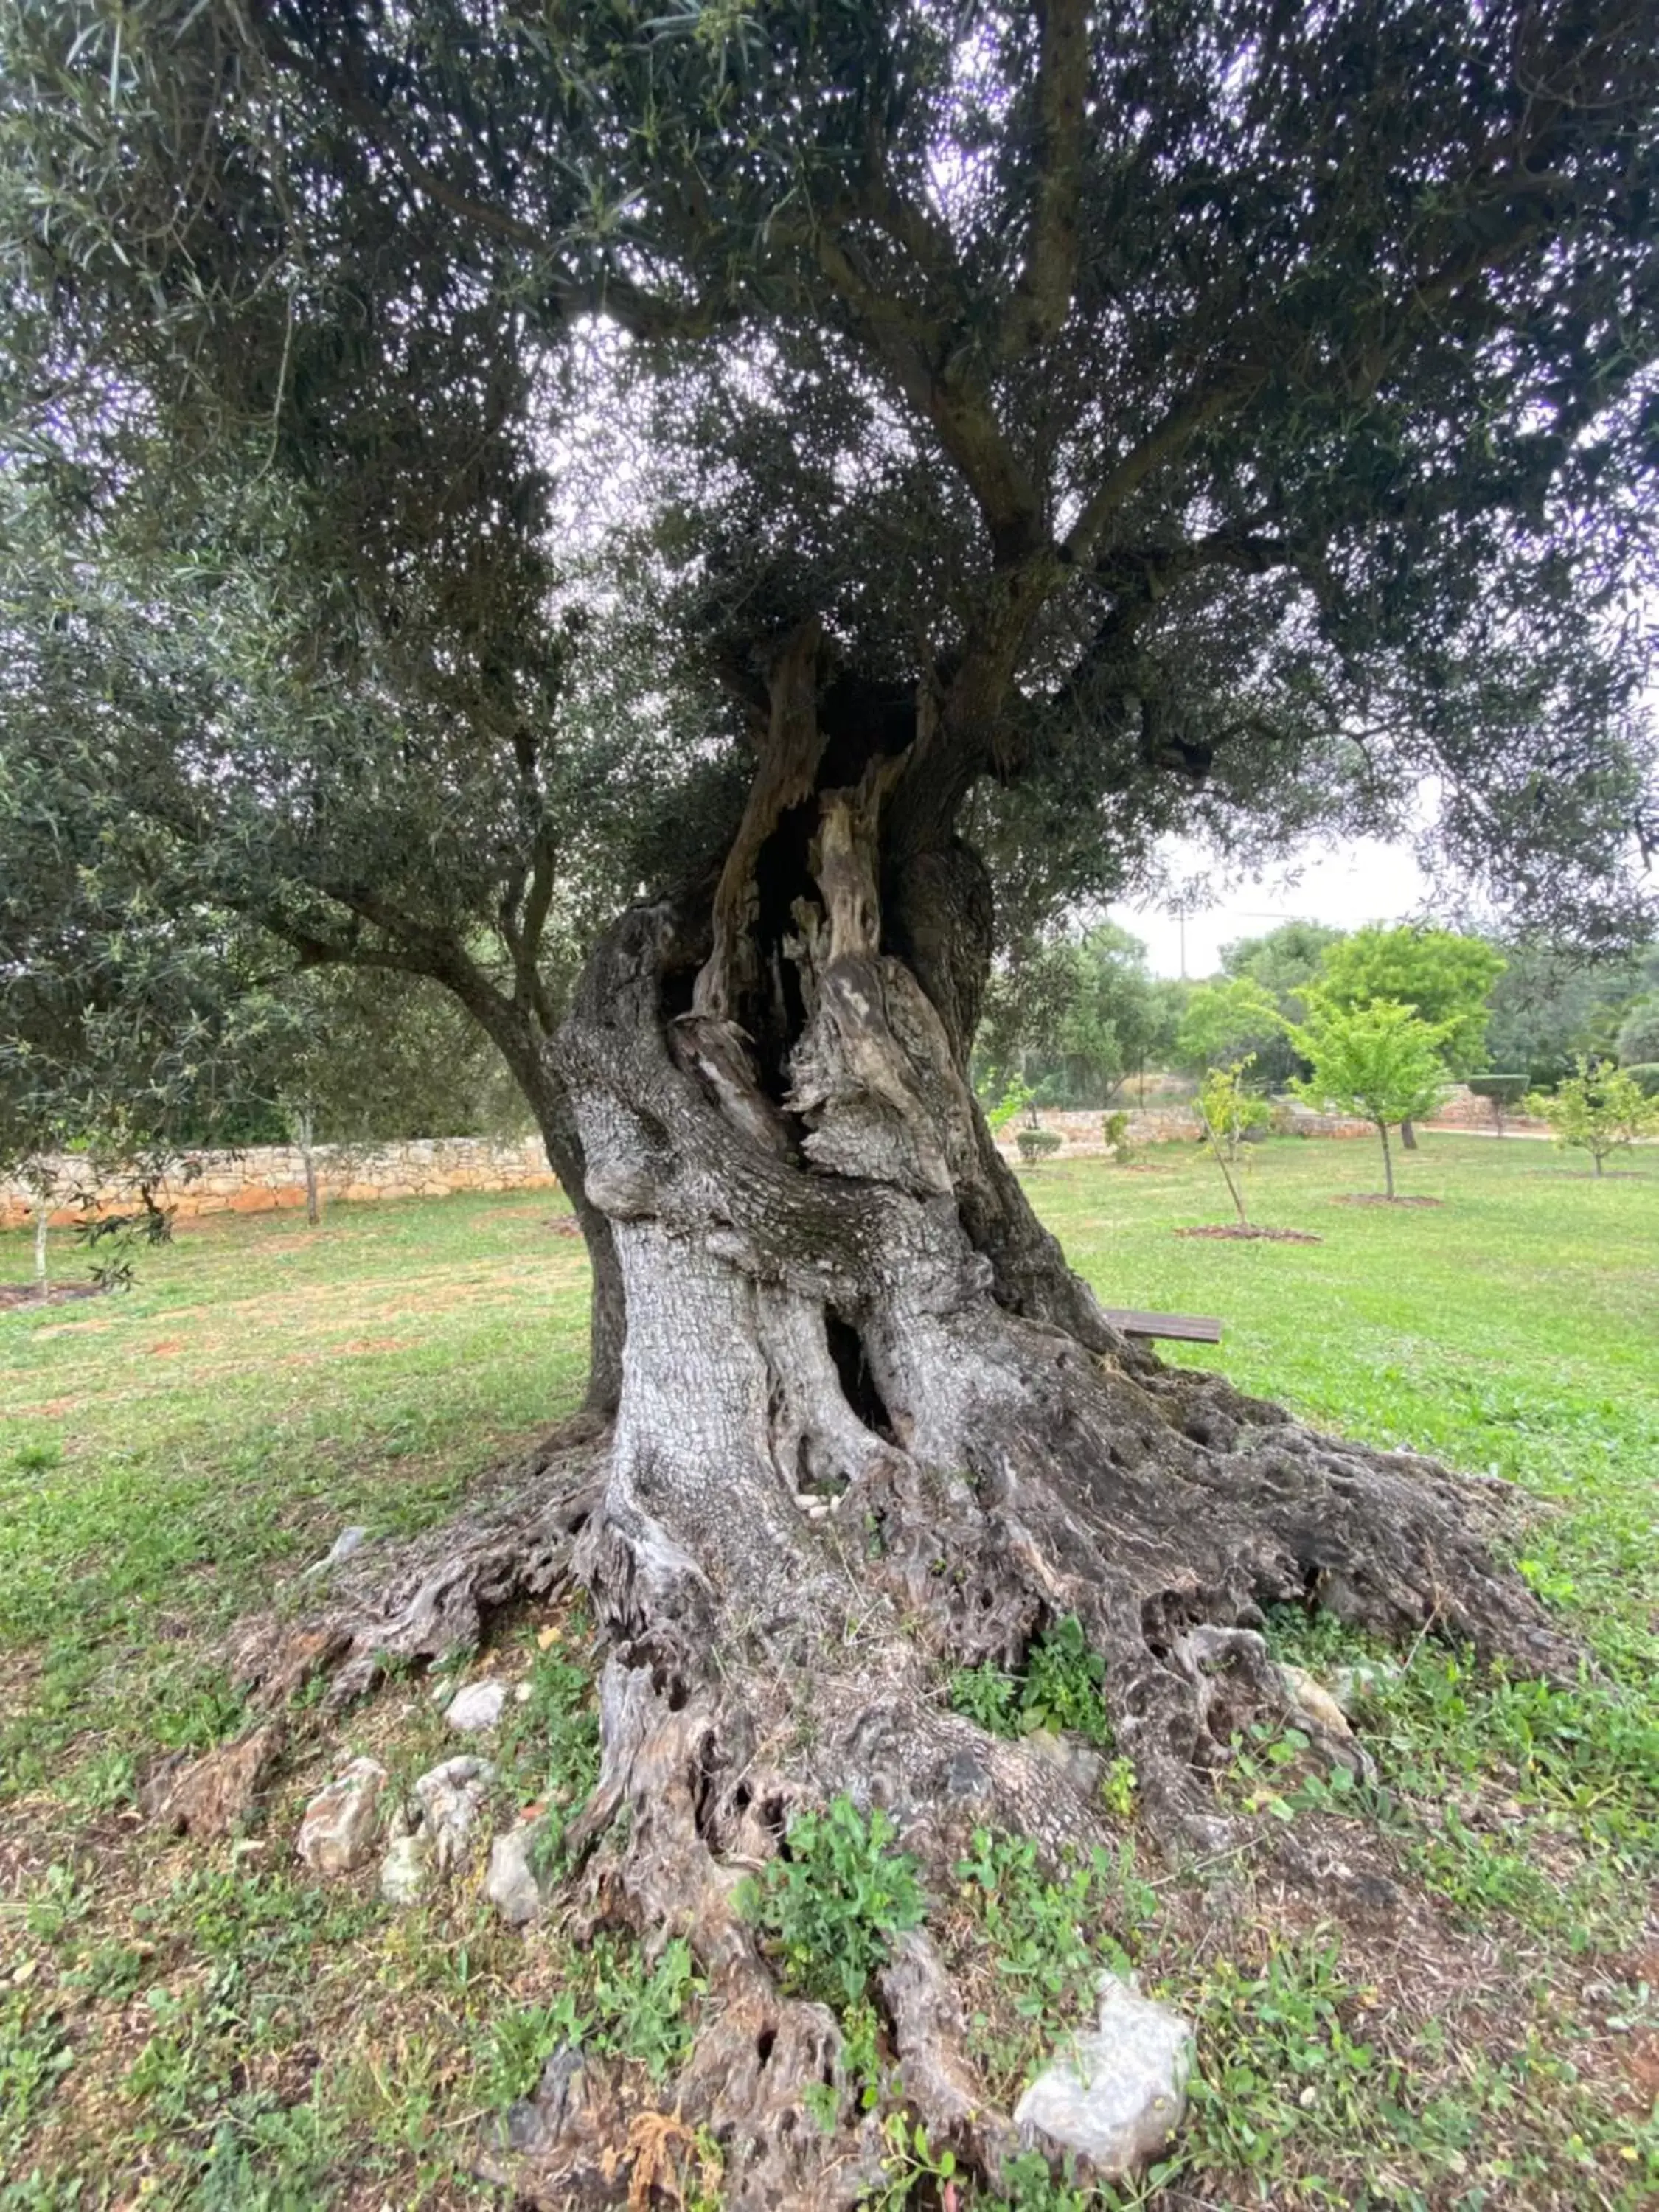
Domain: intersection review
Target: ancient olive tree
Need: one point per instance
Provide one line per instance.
(1049, 427)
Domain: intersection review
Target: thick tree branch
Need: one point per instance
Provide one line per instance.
(1165, 443)
(527, 898)
(909, 342)
(1043, 297)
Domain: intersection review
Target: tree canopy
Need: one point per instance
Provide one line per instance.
(1548, 1008)
(1220, 424)
(1284, 962)
(1231, 1017)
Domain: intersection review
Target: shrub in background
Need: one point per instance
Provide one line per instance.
(1600, 1109)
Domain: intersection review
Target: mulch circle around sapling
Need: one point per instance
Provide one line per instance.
(59, 1294)
(1231, 1230)
(1382, 1197)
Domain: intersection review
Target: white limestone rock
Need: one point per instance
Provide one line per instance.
(406, 1869)
(477, 1708)
(451, 1797)
(337, 1829)
(1313, 1700)
(1117, 2093)
(510, 1885)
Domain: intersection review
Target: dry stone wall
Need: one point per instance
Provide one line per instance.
(1461, 1110)
(267, 1178)
(1163, 1125)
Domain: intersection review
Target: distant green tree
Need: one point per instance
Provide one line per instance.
(1550, 1006)
(1285, 963)
(1226, 1022)
(1600, 1109)
(1443, 976)
(1380, 1061)
(1285, 960)
(1638, 1034)
(1074, 1015)
(1501, 1093)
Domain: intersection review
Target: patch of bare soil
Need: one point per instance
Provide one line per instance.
(57, 1294)
(1382, 1197)
(1232, 1231)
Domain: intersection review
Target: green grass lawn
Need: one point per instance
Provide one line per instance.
(196, 2025)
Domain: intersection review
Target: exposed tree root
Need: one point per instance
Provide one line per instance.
(428, 1595)
(747, 1679)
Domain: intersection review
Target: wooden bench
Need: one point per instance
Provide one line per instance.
(1188, 1328)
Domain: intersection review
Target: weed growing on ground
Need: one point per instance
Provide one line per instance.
(1060, 1688)
(548, 1747)
(34, 2054)
(827, 1909)
(1035, 1943)
(1524, 1798)
(1029, 2184)
(828, 1906)
(988, 1695)
(1278, 2056)
(614, 2003)
(911, 2168)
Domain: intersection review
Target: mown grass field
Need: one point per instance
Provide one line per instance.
(196, 2025)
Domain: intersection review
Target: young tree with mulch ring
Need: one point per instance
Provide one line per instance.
(1226, 1111)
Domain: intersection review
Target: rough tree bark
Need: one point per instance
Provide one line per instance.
(607, 1309)
(870, 1430)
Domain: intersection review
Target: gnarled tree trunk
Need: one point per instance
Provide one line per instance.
(872, 1430)
(869, 1429)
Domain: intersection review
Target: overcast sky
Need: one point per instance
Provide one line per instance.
(1354, 881)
